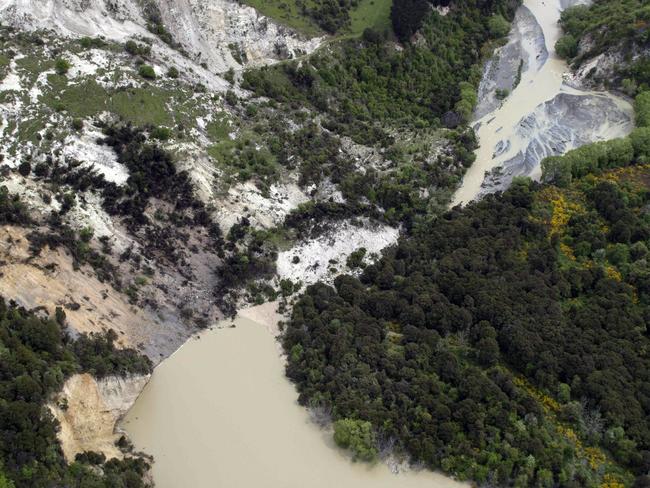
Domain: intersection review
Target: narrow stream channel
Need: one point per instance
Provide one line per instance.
(543, 115)
(220, 412)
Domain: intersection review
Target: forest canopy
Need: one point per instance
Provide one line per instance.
(36, 357)
(506, 343)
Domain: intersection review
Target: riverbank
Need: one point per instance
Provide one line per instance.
(220, 412)
(543, 116)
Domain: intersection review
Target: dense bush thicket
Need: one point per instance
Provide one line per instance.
(12, 210)
(407, 17)
(330, 15)
(152, 174)
(605, 25)
(608, 22)
(36, 357)
(505, 343)
(363, 86)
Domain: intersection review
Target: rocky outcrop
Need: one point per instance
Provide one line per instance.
(222, 34)
(569, 120)
(604, 68)
(228, 34)
(323, 257)
(88, 410)
(525, 50)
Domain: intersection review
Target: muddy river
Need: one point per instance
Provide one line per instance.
(543, 114)
(220, 412)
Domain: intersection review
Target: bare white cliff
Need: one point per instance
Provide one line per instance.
(210, 31)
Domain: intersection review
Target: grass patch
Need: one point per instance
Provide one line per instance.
(222, 151)
(32, 66)
(138, 105)
(143, 106)
(371, 13)
(4, 66)
(80, 100)
(286, 12)
(219, 129)
(28, 129)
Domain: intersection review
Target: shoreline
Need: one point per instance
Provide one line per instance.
(178, 411)
(521, 131)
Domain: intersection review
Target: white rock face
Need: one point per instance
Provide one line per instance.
(208, 27)
(314, 255)
(205, 28)
(102, 158)
(245, 199)
(524, 51)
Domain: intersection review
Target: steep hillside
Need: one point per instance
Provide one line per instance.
(607, 42)
(219, 34)
(145, 191)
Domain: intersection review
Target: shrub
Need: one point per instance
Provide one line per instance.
(556, 171)
(407, 17)
(161, 133)
(642, 109)
(25, 168)
(61, 66)
(502, 93)
(468, 98)
(566, 47)
(640, 138)
(147, 71)
(89, 42)
(231, 98)
(172, 72)
(355, 260)
(135, 48)
(77, 124)
(357, 436)
(229, 76)
(498, 26)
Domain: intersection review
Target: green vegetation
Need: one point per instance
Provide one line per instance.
(642, 109)
(288, 13)
(137, 49)
(92, 42)
(619, 25)
(498, 26)
(355, 259)
(147, 71)
(370, 14)
(502, 343)
(566, 47)
(364, 87)
(12, 210)
(219, 127)
(312, 17)
(61, 66)
(137, 105)
(357, 436)
(607, 22)
(37, 356)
